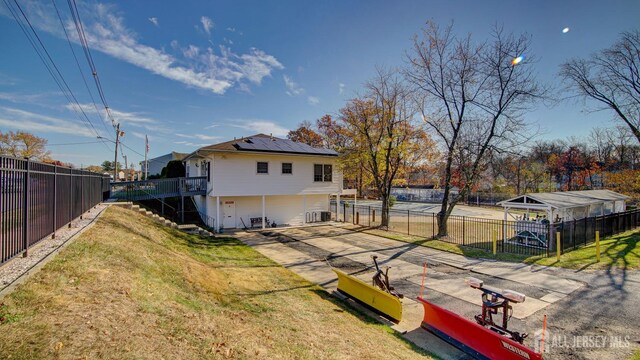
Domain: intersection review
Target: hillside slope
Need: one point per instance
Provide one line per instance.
(129, 288)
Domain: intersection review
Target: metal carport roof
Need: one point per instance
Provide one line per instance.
(564, 199)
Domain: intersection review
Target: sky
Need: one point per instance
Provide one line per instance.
(193, 73)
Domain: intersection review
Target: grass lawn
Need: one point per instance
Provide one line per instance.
(621, 251)
(129, 288)
(445, 246)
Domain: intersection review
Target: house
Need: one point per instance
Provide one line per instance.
(261, 179)
(156, 164)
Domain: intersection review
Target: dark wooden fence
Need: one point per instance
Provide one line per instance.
(36, 199)
(526, 238)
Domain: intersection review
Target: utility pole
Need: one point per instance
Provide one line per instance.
(115, 160)
(146, 163)
(126, 168)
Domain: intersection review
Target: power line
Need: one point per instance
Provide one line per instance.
(75, 143)
(75, 14)
(66, 90)
(66, 34)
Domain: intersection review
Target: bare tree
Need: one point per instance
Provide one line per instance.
(472, 96)
(612, 78)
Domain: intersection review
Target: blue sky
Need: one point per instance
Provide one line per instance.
(192, 73)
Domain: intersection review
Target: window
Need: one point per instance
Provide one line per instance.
(317, 172)
(263, 167)
(322, 173)
(208, 171)
(287, 168)
(328, 172)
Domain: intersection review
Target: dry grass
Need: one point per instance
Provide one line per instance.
(128, 288)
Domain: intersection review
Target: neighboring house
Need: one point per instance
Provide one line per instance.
(156, 164)
(289, 182)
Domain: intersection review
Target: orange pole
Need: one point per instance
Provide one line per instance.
(424, 274)
(544, 330)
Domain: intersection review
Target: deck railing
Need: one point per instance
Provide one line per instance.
(159, 188)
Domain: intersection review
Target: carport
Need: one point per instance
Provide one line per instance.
(567, 205)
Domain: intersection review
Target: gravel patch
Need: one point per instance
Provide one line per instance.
(18, 266)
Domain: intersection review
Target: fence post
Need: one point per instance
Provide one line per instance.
(369, 216)
(598, 246)
(558, 246)
(408, 222)
(353, 214)
(81, 194)
(463, 230)
(495, 241)
(70, 197)
(55, 200)
(573, 232)
(344, 212)
(25, 210)
(585, 231)
(433, 225)
(182, 210)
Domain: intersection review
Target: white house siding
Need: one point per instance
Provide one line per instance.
(236, 175)
(283, 209)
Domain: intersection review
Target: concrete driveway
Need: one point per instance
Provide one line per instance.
(580, 305)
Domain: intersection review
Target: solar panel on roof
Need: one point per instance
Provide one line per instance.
(281, 145)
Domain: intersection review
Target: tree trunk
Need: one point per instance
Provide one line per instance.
(384, 220)
(442, 215)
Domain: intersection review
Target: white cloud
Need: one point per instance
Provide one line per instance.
(261, 126)
(293, 89)
(341, 88)
(138, 135)
(312, 100)
(29, 121)
(207, 24)
(154, 21)
(106, 32)
(188, 143)
(191, 52)
(232, 29)
(135, 119)
(27, 98)
(198, 136)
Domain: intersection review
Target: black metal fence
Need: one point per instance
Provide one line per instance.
(36, 199)
(577, 233)
(514, 237)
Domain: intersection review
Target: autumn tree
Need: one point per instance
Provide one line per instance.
(306, 135)
(95, 169)
(378, 128)
(611, 78)
(471, 95)
(22, 144)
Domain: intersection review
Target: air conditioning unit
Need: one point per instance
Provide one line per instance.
(325, 216)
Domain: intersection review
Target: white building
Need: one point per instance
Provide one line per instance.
(156, 164)
(264, 179)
